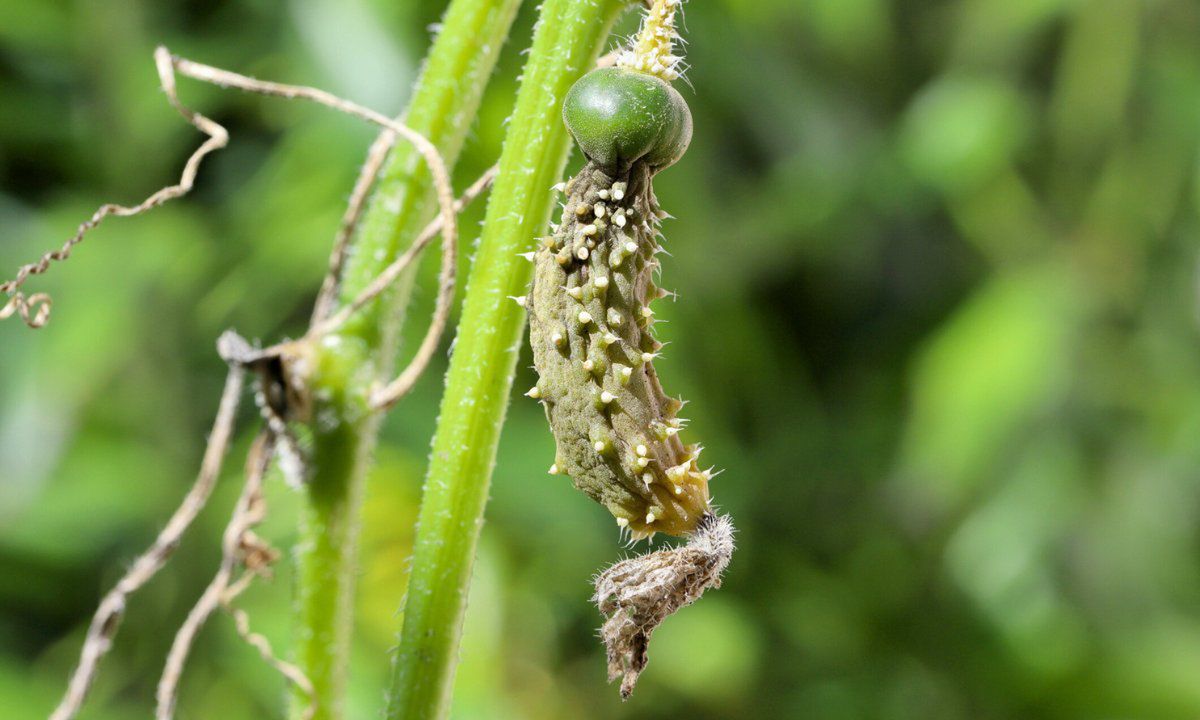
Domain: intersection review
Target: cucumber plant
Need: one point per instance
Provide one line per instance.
(616, 430)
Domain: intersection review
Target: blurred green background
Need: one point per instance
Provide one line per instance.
(936, 265)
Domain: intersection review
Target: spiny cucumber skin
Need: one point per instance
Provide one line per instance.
(615, 429)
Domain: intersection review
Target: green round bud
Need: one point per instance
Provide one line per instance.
(619, 116)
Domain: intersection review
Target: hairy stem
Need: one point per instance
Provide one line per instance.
(362, 352)
(568, 39)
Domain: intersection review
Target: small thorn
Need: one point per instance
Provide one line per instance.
(606, 397)
(601, 282)
(527, 255)
(630, 247)
(589, 229)
(582, 253)
(575, 292)
(518, 300)
(647, 312)
(642, 463)
(678, 489)
(648, 357)
(588, 365)
(642, 450)
(619, 220)
(553, 469)
(602, 194)
(650, 518)
(599, 446)
(557, 338)
(581, 210)
(534, 392)
(608, 339)
(598, 210)
(648, 479)
(624, 372)
(622, 522)
(585, 317)
(559, 187)
(614, 317)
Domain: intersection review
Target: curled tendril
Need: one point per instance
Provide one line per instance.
(33, 309)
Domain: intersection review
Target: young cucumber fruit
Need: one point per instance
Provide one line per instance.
(590, 320)
(590, 326)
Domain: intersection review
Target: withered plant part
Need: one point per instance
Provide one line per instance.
(240, 548)
(107, 619)
(35, 309)
(637, 594)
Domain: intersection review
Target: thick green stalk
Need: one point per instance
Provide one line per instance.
(569, 36)
(444, 102)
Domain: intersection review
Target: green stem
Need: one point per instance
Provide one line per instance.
(569, 36)
(444, 102)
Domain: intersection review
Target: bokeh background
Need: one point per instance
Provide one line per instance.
(936, 265)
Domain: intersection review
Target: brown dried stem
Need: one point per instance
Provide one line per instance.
(107, 619)
(291, 672)
(238, 547)
(437, 167)
(367, 177)
(35, 309)
(387, 396)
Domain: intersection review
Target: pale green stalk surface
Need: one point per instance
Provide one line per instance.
(568, 39)
(444, 102)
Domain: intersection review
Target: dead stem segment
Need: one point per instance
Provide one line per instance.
(107, 619)
(239, 547)
(35, 309)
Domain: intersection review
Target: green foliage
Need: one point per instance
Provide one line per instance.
(1039, 561)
